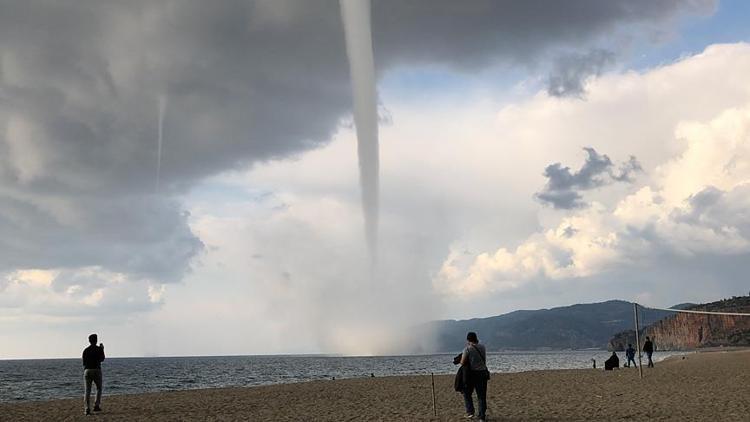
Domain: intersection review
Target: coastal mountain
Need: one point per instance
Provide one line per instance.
(691, 331)
(580, 326)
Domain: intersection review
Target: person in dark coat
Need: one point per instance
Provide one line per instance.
(612, 362)
(648, 348)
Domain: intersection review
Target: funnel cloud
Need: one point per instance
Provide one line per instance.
(355, 15)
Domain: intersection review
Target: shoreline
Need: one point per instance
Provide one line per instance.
(702, 386)
(109, 393)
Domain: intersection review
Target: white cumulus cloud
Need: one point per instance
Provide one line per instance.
(692, 204)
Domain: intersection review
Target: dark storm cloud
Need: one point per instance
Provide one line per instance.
(474, 33)
(80, 83)
(133, 235)
(571, 71)
(563, 187)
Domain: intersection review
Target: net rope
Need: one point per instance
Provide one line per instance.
(688, 311)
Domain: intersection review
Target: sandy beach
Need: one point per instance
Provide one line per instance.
(702, 386)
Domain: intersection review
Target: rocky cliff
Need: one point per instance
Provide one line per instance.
(692, 331)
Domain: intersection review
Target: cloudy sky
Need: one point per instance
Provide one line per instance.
(182, 176)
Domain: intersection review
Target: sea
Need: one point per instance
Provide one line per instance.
(46, 379)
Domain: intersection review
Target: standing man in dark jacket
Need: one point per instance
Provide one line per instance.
(648, 347)
(92, 372)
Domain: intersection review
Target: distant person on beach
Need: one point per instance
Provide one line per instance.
(474, 361)
(648, 348)
(92, 372)
(612, 363)
(630, 355)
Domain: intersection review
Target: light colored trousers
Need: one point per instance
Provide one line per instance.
(95, 376)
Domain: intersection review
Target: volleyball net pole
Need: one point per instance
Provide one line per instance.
(434, 402)
(638, 340)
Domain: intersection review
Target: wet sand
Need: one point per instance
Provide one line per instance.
(703, 386)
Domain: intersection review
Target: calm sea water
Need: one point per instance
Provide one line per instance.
(43, 379)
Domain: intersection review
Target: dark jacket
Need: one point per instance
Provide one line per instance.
(461, 380)
(630, 353)
(93, 357)
(648, 347)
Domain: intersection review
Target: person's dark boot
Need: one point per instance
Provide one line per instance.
(88, 411)
(97, 409)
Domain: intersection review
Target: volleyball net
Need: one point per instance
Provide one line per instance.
(653, 327)
(690, 311)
